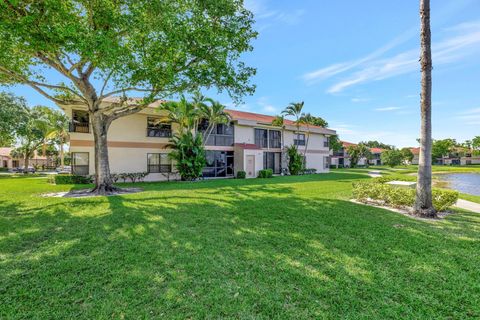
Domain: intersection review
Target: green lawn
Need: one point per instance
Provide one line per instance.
(287, 247)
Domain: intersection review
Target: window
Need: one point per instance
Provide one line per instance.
(272, 160)
(275, 140)
(157, 128)
(219, 164)
(268, 138)
(326, 142)
(221, 134)
(80, 161)
(261, 138)
(299, 139)
(80, 122)
(158, 163)
(327, 162)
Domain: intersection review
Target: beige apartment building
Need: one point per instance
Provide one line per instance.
(139, 143)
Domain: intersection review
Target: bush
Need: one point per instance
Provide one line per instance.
(310, 171)
(400, 197)
(295, 160)
(3, 169)
(132, 176)
(392, 158)
(241, 174)
(443, 199)
(69, 179)
(189, 155)
(267, 173)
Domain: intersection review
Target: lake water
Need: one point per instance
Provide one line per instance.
(463, 182)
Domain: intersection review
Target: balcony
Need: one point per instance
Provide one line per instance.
(159, 133)
(80, 127)
(220, 140)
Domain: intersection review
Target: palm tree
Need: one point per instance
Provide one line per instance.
(214, 114)
(294, 109)
(59, 132)
(183, 113)
(308, 120)
(423, 201)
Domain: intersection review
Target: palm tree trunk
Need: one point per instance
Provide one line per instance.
(423, 202)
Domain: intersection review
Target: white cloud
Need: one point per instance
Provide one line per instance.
(357, 100)
(470, 117)
(266, 106)
(459, 42)
(262, 12)
(388, 109)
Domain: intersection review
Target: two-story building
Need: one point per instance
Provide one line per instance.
(139, 143)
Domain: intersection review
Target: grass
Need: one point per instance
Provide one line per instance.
(287, 247)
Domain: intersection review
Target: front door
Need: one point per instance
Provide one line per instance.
(250, 166)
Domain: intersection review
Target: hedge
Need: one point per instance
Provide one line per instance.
(400, 197)
(241, 174)
(267, 173)
(69, 179)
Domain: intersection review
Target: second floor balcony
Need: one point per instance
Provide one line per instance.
(159, 132)
(80, 127)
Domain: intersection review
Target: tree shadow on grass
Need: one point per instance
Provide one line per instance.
(242, 249)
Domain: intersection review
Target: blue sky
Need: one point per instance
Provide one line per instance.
(355, 63)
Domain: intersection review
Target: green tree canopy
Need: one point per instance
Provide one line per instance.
(442, 148)
(13, 110)
(335, 143)
(376, 144)
(407, 155)
(392, 157)
(97, 50)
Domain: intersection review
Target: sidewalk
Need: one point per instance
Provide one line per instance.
(468, 205)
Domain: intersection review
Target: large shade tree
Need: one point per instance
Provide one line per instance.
(84, 53)
(423, 201)
(13, 110)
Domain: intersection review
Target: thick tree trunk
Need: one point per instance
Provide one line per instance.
(25, 163)
(423, 201)
(103, 181)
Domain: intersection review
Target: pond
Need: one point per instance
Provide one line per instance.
(463, 182)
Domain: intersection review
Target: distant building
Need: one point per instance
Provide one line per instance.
(7, 161)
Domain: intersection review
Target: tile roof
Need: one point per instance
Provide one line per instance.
(415, 150)
(376, 150)
(263, 118)
(347, 144)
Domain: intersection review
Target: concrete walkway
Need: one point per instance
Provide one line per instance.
(468, 205)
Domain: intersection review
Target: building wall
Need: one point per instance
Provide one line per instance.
(129, 145)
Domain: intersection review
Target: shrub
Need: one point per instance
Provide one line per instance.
(241, 174)
(443, 199)
(267, 173)
(400, 197)
(189, 155)
(310, 171)
(69, 179)
(392, 158)
(295, 160)
(3, 169)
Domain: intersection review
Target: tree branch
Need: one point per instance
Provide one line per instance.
(36, 85)
(124, 90)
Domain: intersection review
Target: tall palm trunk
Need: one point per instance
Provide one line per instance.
(423, 202)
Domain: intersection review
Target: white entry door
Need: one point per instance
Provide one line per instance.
(250, 166)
